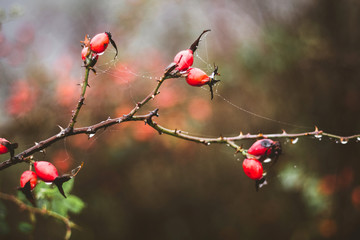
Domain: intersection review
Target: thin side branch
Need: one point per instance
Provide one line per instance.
(80, 102)
(68, 223)
(231, 140)
(148, 118)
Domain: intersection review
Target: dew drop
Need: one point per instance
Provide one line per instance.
(295, 166)
(294, 140)
(91, 135)
(318, 136)
(358, 138)
(267, 160)
(344, 140)
(208, 144)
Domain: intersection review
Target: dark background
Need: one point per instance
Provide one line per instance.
(293, 61)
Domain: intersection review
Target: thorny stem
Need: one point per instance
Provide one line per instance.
(231, 140)
(81, 100)
(68, 223)
(22, 157)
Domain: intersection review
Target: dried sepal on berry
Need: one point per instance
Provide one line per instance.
(28, 181)
(100, 42)
(185, 58)
(265, 148)
(6, 146)
(47, 172)
(197, 77)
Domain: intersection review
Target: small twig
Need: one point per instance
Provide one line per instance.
(68, 223)
(152, 95)
(70, 130)
(80, 102)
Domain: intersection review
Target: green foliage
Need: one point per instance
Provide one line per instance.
(25, 227)
(48, 197)
(4, 228)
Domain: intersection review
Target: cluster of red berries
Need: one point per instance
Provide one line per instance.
(46, 172)
(182, 63)
(261, 151)
(94, 47)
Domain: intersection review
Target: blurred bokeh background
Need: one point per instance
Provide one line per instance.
(296, 62)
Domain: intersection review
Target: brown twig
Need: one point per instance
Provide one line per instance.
(231, 140)
(68, 223)
(21, 157)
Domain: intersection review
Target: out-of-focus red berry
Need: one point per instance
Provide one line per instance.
(84, 53)
(3, 148)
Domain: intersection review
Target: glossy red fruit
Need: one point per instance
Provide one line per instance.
(26, 177)
(6, 146)
(253, 168)
(46, 171)
(100, 42)
(184, 59)
(265, 148)
(3, 149)
(197, 77)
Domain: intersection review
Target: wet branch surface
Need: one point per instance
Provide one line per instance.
(148, 118)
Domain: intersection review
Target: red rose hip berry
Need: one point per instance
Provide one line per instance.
(197, 78)
(265, 148)
(6, 146)
(253, 168)
(28, 176)
(46, 171)
(185, 58)
(100, 42)
(28, 181)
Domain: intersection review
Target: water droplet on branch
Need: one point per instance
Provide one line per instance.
(318, 136)
(267, 160)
